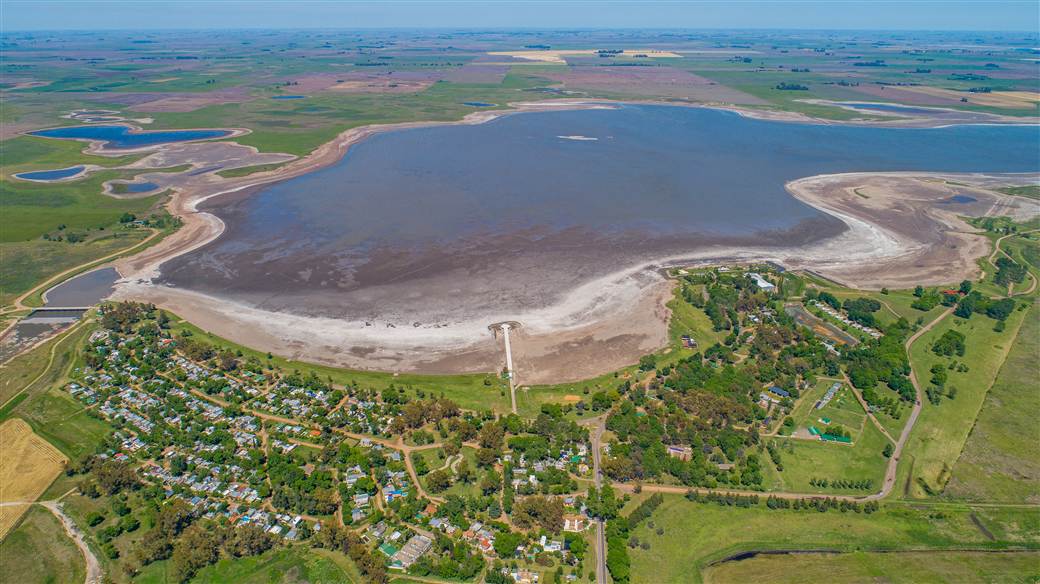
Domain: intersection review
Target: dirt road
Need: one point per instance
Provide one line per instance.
(94, 574)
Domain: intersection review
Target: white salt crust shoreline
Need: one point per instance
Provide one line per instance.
(628, 301)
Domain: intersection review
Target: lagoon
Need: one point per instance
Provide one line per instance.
(425, 224)
(45, 175)
(124, 137)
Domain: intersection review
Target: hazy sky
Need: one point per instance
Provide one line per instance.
(844, 14)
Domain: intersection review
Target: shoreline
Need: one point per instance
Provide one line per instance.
(608, 322)
(623, 312)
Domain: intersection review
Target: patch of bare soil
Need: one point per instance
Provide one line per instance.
(662, 81)
(178, 102)
(388, 82)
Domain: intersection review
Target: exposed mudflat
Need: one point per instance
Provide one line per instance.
(402, 279)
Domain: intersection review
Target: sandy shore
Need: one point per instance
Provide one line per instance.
(901, 232)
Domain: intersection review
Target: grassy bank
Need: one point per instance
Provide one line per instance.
(941, 430)
(697, 534)
(38, 551)
(999, 460)
(893, 568)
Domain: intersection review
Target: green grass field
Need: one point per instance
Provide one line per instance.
(39, 552)
(294, 565)
(893, 568)
(697, 534)
(1031, 191)
(807, 459)
(52, 413)
(999, 461)
(940, 433)
(28, 263)
(33, 209)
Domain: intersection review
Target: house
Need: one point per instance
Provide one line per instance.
(779, 391)
(525, 577)
(412, 551)
(763, 284)
(680, 452)
(573, 522)
(549, 545)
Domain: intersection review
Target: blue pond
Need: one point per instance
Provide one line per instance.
(124, 137)
(51, 174)
(478, 104)
(289, 97)
(140, 187)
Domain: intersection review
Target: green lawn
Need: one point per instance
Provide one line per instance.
(288, 566)
(869, 568)
(294, 565)
(38, 551)
(999, 461)
(807, 459)
(938, 438)
(696, 534)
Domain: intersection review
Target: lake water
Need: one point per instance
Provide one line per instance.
(124, 137)
(288, 97)
(418, 224)
(140, 187)
(51, 174)
(84, 290)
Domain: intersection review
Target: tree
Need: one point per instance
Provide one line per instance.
(249, 540)
(438, 480)
(506, 544)
(887, 452)
(542, 511)
(113, 476)
(491, 482)
(463, 472)
(949, 344)
(198, 546)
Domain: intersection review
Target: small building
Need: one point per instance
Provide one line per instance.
(763, 284)
(412, 551)
(572, 522)
(680, 452)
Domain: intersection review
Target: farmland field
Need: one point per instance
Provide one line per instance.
(28, 466)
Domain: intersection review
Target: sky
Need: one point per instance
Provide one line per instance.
(978, 15)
